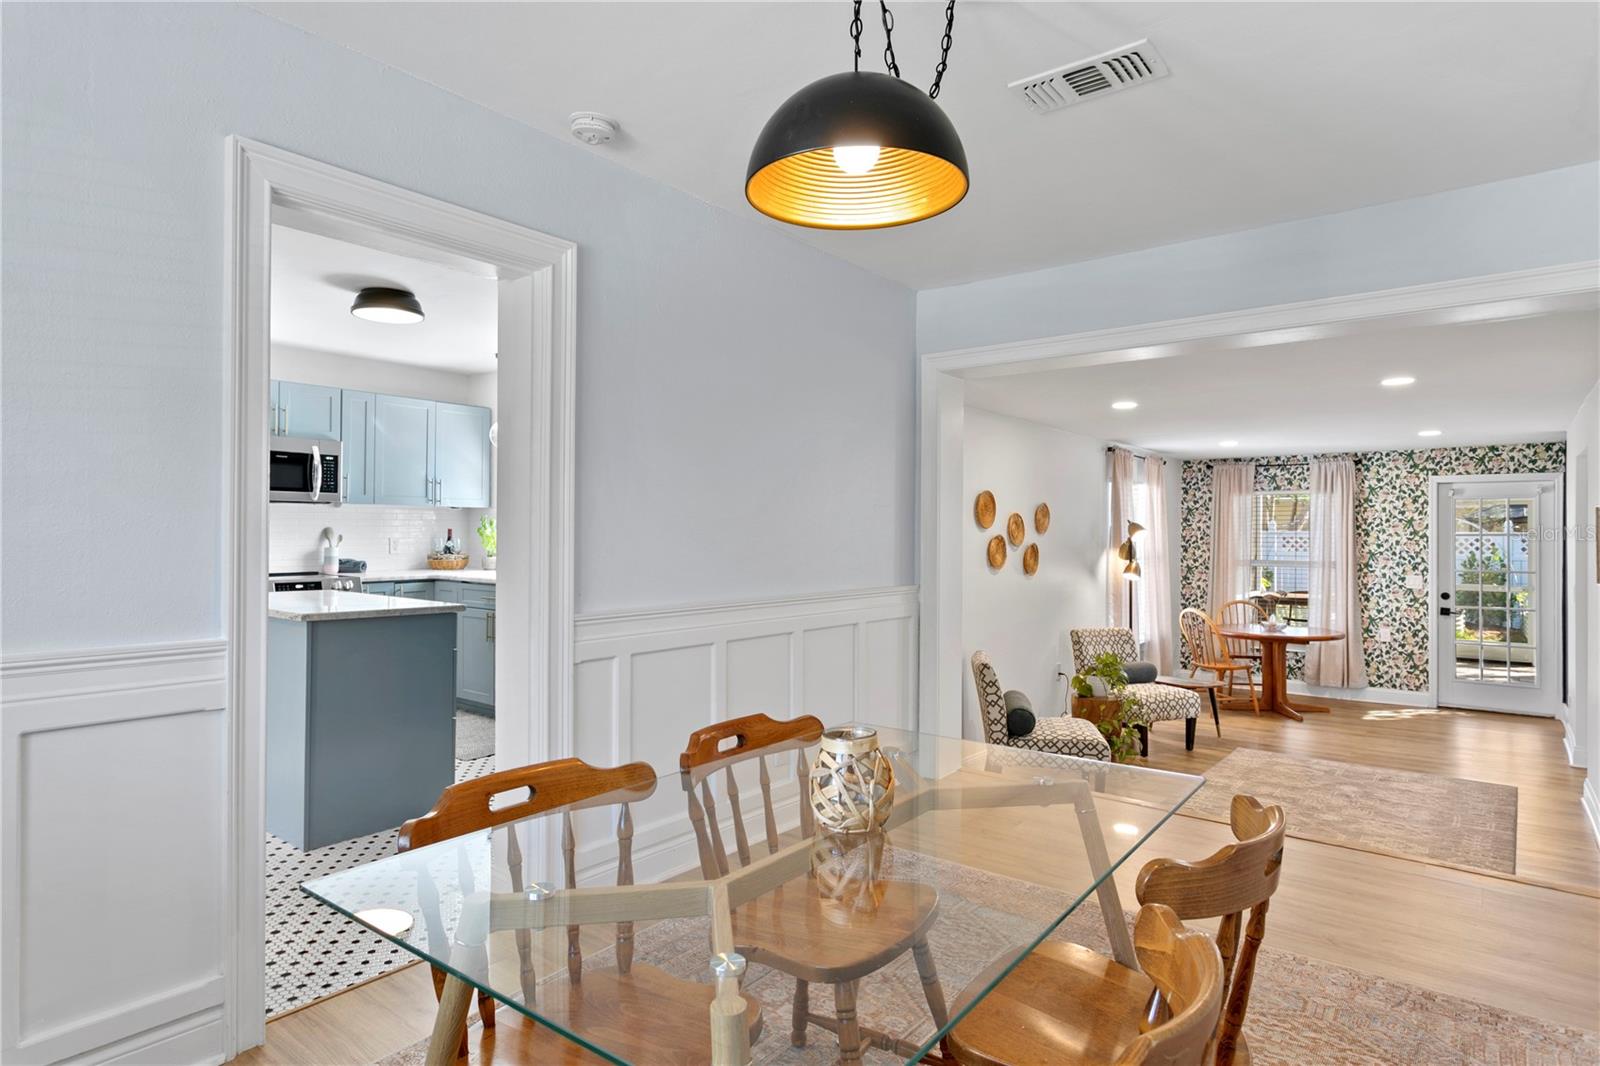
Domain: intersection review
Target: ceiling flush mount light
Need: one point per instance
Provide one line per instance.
(860, 150)
(1124, 405)
(1429, 432)
(391, 306)
(1398, 382)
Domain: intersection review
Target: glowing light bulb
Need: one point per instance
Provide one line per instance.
(855, 158)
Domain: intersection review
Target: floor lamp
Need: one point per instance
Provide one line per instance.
(1130, 572)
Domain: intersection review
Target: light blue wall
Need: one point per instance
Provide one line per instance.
(745, 402)
(1539, 220)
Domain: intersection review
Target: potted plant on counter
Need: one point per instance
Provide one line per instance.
(1100, 695)
(486, 537)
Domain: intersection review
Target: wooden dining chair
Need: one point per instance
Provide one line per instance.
(1240, 876)
(795, 928)
(1209, 651)
(603, 999)
(1242, 613)
(1065, 1004)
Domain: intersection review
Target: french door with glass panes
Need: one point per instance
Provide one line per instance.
(1497, 593)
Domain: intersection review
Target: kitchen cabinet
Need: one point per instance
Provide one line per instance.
(461, 455)
(402, 451)
(378, 588)
(414, 590)
(475, 655)
(308, 411)
(356, 415)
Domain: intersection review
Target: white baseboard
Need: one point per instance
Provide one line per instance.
(1364, 695)
(1591, 805)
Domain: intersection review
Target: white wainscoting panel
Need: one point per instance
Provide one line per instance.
(644, 681)
(111, 862)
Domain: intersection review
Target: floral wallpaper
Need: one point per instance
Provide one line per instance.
(1391, 538)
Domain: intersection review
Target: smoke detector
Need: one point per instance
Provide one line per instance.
(1101, 75)
(592, 128)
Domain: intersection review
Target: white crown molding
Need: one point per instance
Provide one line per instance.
(1554, 288)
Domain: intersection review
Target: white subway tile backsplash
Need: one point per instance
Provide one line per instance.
(294, 536)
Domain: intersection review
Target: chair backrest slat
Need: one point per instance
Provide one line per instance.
(1240, 612)
(624, 877)
(1206, 646)
(569, 863)
(1184, 966)
(723, 747)
(1238, 877)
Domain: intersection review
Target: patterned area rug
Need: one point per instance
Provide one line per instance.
(1302, 1012)
(1394, 812)
(312, 950)
(474, 735)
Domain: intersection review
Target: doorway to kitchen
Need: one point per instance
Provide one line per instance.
(417, 453)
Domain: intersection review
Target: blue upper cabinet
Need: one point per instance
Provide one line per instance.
(461, 456)
(310, 411)
(356, 422)
(402, 451)
(274, 428)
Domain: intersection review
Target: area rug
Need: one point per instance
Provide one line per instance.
(1302, 1012)
(1395, 812)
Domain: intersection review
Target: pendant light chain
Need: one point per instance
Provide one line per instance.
(855, 33)
(889, 60)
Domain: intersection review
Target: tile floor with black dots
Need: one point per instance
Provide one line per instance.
(313, 951)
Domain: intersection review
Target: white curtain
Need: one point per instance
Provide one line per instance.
(1156, 558)
(1335, 591)
(1232, 489)
(1120, 462)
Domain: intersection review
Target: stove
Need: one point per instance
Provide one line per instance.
(310, 580)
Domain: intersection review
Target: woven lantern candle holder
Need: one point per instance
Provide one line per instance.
(848, 868)
(852, 783)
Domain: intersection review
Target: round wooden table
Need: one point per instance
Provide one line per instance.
(1274, 648)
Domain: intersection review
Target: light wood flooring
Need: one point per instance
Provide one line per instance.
(1529, 943)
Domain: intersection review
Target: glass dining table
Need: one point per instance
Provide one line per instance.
(616, 928)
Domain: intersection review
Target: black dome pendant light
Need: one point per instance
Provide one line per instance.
(860, 150)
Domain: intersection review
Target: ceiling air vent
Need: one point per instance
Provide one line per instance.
(1101, 75)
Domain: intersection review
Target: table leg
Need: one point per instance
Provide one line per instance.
(1094, 843)
(450, 1022)
(1274, 680)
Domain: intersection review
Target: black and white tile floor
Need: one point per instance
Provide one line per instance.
(312, 951)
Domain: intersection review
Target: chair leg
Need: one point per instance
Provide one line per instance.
(1188, 734)
(931, 989)
(844, 1008)
(1254, 702)
(1216, 719)
(486, 1009)
(802, 1011)
(438, 994)
(1144, 740)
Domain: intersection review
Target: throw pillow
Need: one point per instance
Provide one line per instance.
(1019, 714)
(1140, 673)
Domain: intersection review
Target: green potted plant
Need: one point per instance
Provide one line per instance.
(486, 537)
(1100, 694)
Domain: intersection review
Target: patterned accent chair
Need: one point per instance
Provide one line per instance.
(1052, 735)
(1157, 702)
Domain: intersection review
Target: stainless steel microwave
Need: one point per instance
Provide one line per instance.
(303, 471)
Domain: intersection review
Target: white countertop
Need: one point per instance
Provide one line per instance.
(479, 577)
(322, 605)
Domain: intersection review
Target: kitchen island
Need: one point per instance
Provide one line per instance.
(360, 712)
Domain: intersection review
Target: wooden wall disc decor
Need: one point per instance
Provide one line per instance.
(1030, 560)
(997, 552)
(983, 509)
(1041, 518)
(1016, 529)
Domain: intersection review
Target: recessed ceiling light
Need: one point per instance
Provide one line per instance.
(1398, 382)
(395, 307)
(1124, 405)
(1429, 432)
(1227, 444)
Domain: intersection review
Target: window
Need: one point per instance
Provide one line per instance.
(1280, 550)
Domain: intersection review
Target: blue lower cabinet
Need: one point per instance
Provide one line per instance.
(414, 590)
(378, 588)
(475, 655)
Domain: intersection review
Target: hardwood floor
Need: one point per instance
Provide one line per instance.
(1529, 943)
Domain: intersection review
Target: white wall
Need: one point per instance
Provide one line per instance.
(316, 367)
(1583, 633)
(1020, 620)
(1539, 220)
(737, 391)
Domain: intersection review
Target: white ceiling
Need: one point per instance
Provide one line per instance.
(315, 278)
(1272, 112)
(1481, 383)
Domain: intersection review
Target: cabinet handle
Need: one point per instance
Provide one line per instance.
(489, 627)
(272, 431)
